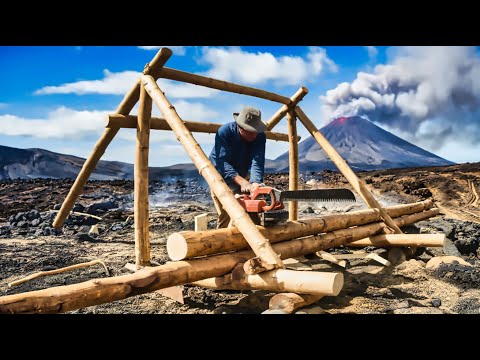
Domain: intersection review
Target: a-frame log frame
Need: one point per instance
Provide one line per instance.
(267, 258)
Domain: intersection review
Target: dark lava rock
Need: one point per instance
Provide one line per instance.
(466, 276)
(308, 210)
(84, 237)
(101, 207)
(79, 208)
(436, 302)
(57, 206)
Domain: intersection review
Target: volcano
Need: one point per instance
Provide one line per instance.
(363, 145)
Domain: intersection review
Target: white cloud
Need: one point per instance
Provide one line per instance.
(372, 52)
(431, 92)
(61, 123)
(177, 50)
(234, 64)
(121, 82)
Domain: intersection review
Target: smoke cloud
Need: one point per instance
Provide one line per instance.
(430, 93)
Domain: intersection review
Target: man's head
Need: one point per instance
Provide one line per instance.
(249, 121)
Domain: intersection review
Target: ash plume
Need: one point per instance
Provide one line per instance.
(430, 94)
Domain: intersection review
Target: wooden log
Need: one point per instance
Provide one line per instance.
(130, 122)
(302, 282)
(178, 75)
(293, 176)
(405, 209)
(201, 222)
(140, 199)
(341, 164)
(401, 240)
(98, 291)
(59, 271)
(413, 218)
(289, 302)
(296, 98)
(238, 215)
(124, 108)
(188, 244)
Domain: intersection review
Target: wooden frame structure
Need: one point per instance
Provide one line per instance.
(146, 91)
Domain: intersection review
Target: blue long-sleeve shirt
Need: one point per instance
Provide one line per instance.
(234, 156)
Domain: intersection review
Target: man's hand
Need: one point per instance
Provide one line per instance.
(245, 187)
(254, 187)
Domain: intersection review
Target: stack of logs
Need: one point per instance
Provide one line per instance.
(294, 239)
(221, 259)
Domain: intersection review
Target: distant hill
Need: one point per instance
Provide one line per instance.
(38, 163)
(363, 145)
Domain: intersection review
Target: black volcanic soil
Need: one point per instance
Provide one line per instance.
(28, 243)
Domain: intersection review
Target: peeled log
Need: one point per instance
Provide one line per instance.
(289, 302)
(312, 282)
(401, 240)
(98, 291)
(406, 209)
(413, 218)
(188, 244)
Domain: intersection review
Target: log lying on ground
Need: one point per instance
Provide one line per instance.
(303, 282)
(189, 244)
(406, 209)
(99, 291)
(289, 302)
(130, 122)
(401, 240)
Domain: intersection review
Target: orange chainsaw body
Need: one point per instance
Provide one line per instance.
(251, 204)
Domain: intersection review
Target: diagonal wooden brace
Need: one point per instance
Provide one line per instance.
(294, 100)
(259, 244)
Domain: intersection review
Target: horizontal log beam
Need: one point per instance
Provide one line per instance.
(172, 74)
(98, 291)
(156, 123)
(188, 244)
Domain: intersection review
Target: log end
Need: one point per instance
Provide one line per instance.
(337, 283)
(177, 248)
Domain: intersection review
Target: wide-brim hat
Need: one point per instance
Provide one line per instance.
(250, 119)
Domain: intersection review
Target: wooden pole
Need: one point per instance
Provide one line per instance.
(98, 291)
(239, 216)
(141, 218)
(302, 282)
(401, 240)
(295, 99)
(188, 244)
(413, 218)
(289, 302)
(130, 121)
(406, 209)
(293, 177)
(59, 271)
(356, 183)
(124, 108)
(178, 75)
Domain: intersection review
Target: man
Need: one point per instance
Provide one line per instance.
(239, 156)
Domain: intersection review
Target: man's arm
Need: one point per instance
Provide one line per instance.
(224, 151)
(258, 161)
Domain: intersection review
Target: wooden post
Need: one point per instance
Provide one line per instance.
(289, 302)
(302, 282)
(141, 218)
(124, 108)
(201, 222)
(187, 244)
(130, 121)
(295, 99)
(356, 183)
(98, 291)
(178, 75)
(239, 216)
(293, 164)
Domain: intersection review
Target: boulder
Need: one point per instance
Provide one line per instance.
(435, 262)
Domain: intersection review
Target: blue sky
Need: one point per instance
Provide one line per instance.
(56, 97)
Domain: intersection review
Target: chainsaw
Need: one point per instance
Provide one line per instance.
(268, 201)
